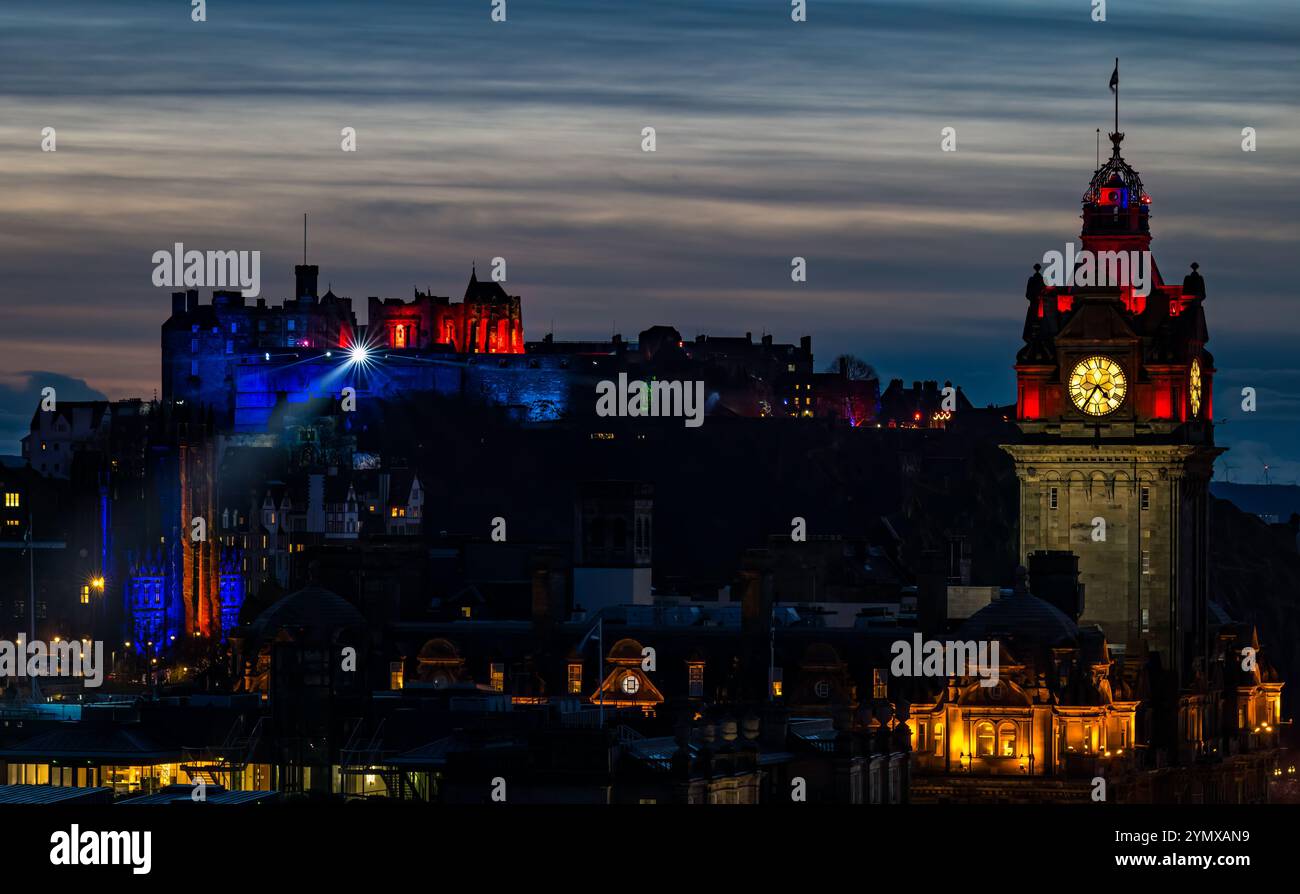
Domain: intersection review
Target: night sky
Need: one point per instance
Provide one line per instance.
(523, 140)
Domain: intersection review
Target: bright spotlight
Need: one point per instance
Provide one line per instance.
(358, 353)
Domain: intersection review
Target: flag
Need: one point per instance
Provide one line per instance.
(1114, 79)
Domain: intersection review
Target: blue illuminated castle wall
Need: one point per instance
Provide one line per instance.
(535, 389)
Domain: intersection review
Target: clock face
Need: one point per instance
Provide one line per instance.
(1194, 387)
(1098, 385)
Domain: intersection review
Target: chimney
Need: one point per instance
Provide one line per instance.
(805, 345)
(178, 303)
(1054, 578)
(305, 280)
(931, 593)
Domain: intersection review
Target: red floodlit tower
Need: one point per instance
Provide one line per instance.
(1114, 401)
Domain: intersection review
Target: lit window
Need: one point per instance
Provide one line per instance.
(498, 677)
(1053, 498)
(1007, 739)
(879, 683)
(695, 672)
(1146, 498)
(466, 611)
(575, 678)
(631, 685)
(85, 594)
(1146, 561)
(13, 500)
(396, 675)
(984, 739)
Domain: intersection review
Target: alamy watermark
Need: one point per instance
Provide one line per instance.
(211, 269)
(63, 658)
(953, 658)
(1098, 268)
(638, 398)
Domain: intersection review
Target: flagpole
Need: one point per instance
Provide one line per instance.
(1116, 94)
(600, 674)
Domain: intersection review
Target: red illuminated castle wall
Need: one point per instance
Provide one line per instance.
(487, 321)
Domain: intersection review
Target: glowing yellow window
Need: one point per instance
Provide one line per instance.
(12, 500)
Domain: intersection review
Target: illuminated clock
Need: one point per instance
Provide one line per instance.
(1098, 385)
(1194, 387)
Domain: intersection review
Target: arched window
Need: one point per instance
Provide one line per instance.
(984, 739)
(1007, 739)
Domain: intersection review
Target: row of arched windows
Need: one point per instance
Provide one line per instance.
(995, 742)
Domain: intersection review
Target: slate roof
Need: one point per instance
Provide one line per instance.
(54, 794)
(92, 741)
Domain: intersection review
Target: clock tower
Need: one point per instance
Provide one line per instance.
(1114, 403)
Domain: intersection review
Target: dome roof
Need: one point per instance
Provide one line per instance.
(626, 651)
(1116, 173)
(312, 607)
(1023, 616)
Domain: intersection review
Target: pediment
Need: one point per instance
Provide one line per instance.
(1097, 321)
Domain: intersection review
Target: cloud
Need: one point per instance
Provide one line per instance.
(20, 395)
(522, 140)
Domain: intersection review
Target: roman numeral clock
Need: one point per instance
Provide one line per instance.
(1098, 385)
(1116, 447)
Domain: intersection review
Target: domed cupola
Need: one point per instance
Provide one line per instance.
(1115, 203)
(1021, 616)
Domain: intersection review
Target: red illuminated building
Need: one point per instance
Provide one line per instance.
(487, 321)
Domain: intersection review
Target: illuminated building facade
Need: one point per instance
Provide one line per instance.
(202, 344)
